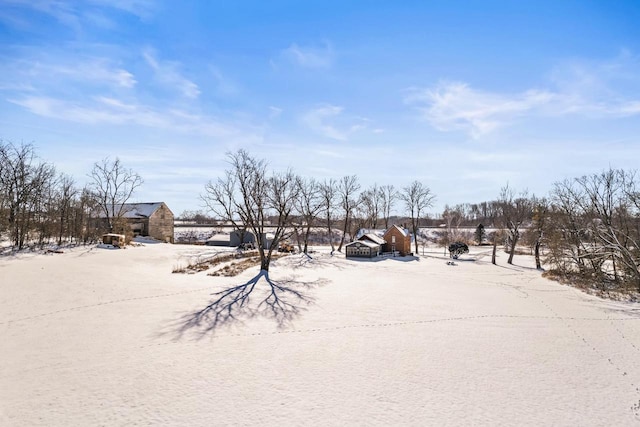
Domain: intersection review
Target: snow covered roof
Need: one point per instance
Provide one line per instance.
(219, 237)
(402, 230)
(140, 210)
(374, 238)
(363, 231)
(364, 242)
(137, 210)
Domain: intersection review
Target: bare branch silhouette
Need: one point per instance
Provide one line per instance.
(282, 300)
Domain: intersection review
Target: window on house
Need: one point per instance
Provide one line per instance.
(393, 239)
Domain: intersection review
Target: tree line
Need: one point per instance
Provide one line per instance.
(586, 227)
(254, 199)
(39, 205)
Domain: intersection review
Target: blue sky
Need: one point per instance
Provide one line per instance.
(463, 96)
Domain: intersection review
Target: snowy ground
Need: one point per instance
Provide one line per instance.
(91, 337)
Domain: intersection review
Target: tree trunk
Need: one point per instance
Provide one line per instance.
(330, 233)
(537, 254)
(514, 240)
(298, 241)
(493, 255)
(264, 261)
(344, 233)
(306, 239)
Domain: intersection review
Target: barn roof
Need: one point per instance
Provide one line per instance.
(137, 210)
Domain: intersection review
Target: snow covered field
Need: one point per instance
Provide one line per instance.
(91, 337)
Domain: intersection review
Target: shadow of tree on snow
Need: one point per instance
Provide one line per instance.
(282, 300)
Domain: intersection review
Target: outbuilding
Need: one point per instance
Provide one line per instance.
(362, 249)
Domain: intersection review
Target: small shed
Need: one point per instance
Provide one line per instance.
(362, 249)
(117, 240)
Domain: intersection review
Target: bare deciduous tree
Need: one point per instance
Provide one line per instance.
(371, 204)
(389, 197)
(112, 186)
(417, 197)
(539, 224)
(247, 197)
(24, 182)
(328, 193)
(453, 217)
(66, 193)
(308, 205)
(347, 190)
(515, 211)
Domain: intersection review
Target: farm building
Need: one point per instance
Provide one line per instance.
(371, 243)
(397, 239)
(148, 219)
(218, 239)
(239, 237)
(362, 249)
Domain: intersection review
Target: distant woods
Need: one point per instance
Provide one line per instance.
(39, 205)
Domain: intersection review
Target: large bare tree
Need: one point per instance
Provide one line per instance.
(389, 197)
(516, 210)
(112, 186)
(348, 188)
(539, 224)
(248, 197)
(308, 206)
(417, 198)
(328, 194)
(371, 204)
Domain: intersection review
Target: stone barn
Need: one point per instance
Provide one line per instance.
(150, 219)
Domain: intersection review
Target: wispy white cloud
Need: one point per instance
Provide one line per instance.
(97, 70)
(106, 110)
(51, 73)
(329, 121)
(64, 12)
(310, 57)
(595, 91)
(140, 8)
(224, 84)
(73, 14)
(319, 118)
(167, 73)
(274, 112)
(456, 106)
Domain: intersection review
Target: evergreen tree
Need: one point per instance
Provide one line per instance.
(480, 234)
